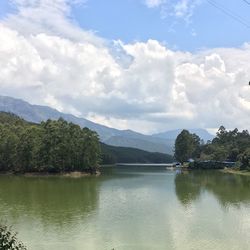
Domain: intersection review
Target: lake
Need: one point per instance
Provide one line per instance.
(132, 208)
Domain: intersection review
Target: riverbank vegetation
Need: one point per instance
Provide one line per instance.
(228, 146)
(51, 146)
(8, 239)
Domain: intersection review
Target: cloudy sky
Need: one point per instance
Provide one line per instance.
(146, 65)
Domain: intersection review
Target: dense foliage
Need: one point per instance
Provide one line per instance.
(111, 155)
(59, 146)
(187, 146)
(52, 146)
(231, 146)
(8, 240)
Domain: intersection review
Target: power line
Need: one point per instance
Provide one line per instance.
(229, 13)
(247, 2)
(223, 8)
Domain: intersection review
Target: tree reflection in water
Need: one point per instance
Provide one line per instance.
(229, 189)
(51, 200)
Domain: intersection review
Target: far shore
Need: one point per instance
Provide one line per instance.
(72, 174)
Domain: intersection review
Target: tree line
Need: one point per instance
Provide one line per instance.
(228, 145)
(60, 146)
(51, 146)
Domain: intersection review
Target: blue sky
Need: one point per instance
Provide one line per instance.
(60, 54)
(132, 20)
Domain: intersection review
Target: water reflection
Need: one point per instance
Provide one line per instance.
(52, 200)
(229, 189)
(129, 208)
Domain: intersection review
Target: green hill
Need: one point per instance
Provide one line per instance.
(112, 154)
(10, 118)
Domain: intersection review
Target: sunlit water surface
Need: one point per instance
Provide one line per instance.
(129, 208)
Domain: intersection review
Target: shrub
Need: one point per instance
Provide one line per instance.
(8, 239)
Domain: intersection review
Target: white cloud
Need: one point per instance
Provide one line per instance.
(50, 17)
(154, 3)
(143, 85)
(180, 9)
(185, 8)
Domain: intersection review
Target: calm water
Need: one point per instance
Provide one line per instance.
(129, 208)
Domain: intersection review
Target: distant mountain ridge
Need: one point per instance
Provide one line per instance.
(172, 134)
(163, 142)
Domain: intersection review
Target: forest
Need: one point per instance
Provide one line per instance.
(52, 146)
(60, 146)
(228, 145)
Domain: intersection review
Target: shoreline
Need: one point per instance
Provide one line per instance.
(234, 171)
(72, 174)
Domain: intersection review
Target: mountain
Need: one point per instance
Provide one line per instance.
(172, 134)
(111, 136)
(37, 113)
(162, 142)
(111, 155)
(149, 143)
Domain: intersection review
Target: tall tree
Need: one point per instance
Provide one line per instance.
(186, 146)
